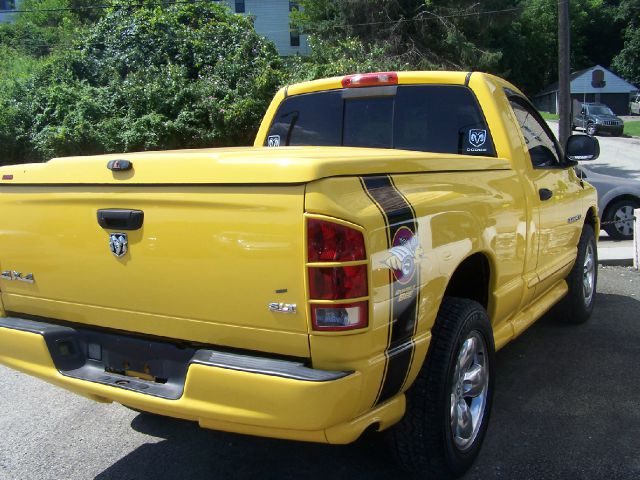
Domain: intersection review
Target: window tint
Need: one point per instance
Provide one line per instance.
(367, 122)
(430, 118)
(311, 119)
(541, 145)
(440, 119)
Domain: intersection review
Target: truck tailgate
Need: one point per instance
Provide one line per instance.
(203, 267)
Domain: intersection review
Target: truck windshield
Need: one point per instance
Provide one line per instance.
(430, 118)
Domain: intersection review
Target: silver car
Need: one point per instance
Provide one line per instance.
(617, 199)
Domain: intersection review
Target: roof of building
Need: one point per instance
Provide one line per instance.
(581, 83)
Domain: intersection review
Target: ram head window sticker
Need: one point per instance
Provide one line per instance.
(273, 141)
(404, 256)
(477, 138)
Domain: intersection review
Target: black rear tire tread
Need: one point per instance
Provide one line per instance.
(419, 439)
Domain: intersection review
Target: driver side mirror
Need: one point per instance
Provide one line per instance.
(582, 148)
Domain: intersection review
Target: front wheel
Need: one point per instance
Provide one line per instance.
(591, 129)
(577, 306)
(448, 405)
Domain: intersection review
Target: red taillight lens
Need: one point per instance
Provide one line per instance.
(331, 242)
(340, 317)
(370, 79)
(337, 283)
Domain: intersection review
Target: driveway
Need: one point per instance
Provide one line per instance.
(566, 406)
(619, 156)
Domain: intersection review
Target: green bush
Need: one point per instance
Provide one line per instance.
(186, 75)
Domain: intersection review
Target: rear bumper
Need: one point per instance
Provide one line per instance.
(224, 391)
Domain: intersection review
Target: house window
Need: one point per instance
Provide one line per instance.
(7, 5)
(240, 8)
(294, 36)
(294, 33)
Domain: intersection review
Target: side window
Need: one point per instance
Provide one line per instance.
(541, 145)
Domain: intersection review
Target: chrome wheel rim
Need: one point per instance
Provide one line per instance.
(588, 274)
(469, 390)
(624, 220)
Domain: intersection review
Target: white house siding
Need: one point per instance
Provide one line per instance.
(271, 20)
(8, 5)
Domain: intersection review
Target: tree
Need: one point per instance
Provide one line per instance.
(418, 34)
(151, 77)
(627, 62)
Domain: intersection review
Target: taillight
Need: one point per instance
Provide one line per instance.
(370, 79)
(333, 243)
(337, 283)
(339, 317)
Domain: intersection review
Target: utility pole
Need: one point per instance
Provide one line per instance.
(564, 67)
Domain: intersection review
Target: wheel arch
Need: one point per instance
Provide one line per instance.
(471, 279)
(591, 219)
(611, 201)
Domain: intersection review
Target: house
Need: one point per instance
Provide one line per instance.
(271, 20)
(595, 84)
(5, 7)
(270, 17)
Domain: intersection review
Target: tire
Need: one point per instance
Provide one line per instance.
(424, 440)
(622, 211)
(591, 129)
(576, 307)
(573, 127)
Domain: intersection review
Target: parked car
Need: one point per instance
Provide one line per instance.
(634, 104)
(597, 118)
(617, 198)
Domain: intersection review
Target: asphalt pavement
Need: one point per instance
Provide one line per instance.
(566, 406)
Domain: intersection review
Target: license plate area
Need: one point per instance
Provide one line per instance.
(148, 366)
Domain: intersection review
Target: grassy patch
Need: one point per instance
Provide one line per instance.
(550, 116)
(632, 128)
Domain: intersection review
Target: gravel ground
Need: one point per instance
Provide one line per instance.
(566, 406)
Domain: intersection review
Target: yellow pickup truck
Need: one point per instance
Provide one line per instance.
(355, 269)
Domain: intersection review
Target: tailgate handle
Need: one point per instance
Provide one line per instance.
(118, 219)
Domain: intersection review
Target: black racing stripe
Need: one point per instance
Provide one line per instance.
(399, 215)
(389, 277)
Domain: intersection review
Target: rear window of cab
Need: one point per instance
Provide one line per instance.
(429, 118)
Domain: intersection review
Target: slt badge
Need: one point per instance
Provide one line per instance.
(118, 244)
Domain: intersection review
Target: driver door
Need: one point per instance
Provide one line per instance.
(557, 205)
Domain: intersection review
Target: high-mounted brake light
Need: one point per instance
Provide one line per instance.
(370, 79)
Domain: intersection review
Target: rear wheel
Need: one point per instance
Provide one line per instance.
(621, 213)
(448, 406)
(577, 306)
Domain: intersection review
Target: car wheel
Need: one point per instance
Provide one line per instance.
(448, 405)
(573, 127)
(621, 213)
(591, 129)
(577, 305)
